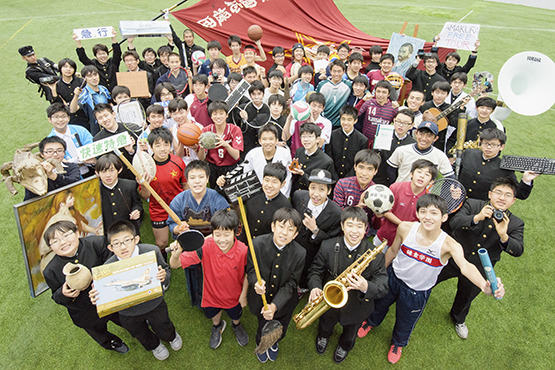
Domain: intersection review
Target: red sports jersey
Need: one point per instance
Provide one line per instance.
(220, 156)
(170, 174)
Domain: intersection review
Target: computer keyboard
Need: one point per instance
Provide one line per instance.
(517, 163)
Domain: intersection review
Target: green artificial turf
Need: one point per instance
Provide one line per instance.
(516, 332)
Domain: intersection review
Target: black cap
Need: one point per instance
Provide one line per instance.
(26, 50)
(298, 45)
(321, 177)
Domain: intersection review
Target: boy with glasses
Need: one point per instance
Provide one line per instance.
(480, 167)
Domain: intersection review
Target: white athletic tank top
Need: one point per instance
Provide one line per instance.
(418, 266)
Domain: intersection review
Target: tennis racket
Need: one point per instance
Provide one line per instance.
(179, 78)
(257, 117)
(131, 115)
(450, 190)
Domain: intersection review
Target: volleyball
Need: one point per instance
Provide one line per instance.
(300, 110)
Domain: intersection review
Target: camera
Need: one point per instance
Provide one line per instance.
(422, 54)
(498, 215)
(48, 79)
(215, 76)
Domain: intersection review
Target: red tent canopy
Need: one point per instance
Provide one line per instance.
(284, 22)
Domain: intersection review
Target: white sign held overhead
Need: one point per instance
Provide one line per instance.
(458, 36)
(93, 32)
(144, 28)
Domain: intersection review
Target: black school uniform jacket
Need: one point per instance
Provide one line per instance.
(484, 235)
(281, 270)
(342, 150)
(328, 222)
(92, 251)
(359, 305)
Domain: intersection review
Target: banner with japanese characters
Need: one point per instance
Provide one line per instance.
(103, 146)
(93, 32)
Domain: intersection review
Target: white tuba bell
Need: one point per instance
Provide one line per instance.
(526, 82)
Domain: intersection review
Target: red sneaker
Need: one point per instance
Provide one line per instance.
(364, 329)
(394, 354)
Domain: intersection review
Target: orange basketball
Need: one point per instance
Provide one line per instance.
(188, 134)
(254, 32)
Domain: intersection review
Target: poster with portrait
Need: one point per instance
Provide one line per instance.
(79, 202)
(404, 48)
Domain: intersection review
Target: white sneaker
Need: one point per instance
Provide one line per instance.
(161, 352)
(462, 330)
(177, 343)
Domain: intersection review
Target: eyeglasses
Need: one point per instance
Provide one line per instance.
(490, 145)
(64, 238)
(500, 194)
(126, 242)
(60, 116)
(52, 151)
(401, 123)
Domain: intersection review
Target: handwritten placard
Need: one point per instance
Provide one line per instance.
(103, 146)
(458, 36)
(93, 32)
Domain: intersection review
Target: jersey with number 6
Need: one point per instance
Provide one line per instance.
(220, 156)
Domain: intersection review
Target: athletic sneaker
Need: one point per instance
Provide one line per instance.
(273, 352)
(241, 334)
(161, 352)
(177, 343)
(462, 330)
(216, 336)
(394, 354)
(364, 329)
(263, 357)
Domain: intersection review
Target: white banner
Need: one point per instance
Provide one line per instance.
(93, 32)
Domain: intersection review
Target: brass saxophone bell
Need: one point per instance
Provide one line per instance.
(335, 294)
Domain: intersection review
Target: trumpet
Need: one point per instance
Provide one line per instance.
(335, 294)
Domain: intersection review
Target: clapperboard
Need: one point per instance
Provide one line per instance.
(239, 184)
(233, 99)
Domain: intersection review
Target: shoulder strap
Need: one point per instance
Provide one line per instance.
(336, 258)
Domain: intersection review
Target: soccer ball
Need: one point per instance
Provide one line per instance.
(379, 199)
(198, 58)
(300, 110)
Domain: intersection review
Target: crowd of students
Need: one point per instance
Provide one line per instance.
(310, 221)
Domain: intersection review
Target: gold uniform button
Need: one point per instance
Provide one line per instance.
(366, 300)
(349, 256)
(469, 190)
(115, 213)
(275, 277)
(473, 253)
(278, 255)
(262, 212)
(474, 182)
(277, 266)
(478, 245)
(271, 295)
(76, 261)
(112, 194)
(483, 163)
(266, 202)
(479, 173)
(490, 226)
(484, 236)
(113, 204)
(258, 221)
(273, 286)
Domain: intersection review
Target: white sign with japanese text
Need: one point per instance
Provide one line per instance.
(144, 28)
(103, 146)
(93, 32)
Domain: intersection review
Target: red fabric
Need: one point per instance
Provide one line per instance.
(284, 22)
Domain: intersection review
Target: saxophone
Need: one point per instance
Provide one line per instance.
(335, 292)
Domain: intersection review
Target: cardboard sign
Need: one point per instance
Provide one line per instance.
(126, 283)
(144, 28)
(93, 32)
(137, 82)
(103, 146)
(458, 36)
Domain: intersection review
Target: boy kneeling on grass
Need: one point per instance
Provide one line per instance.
(223, 260)
(124, 243)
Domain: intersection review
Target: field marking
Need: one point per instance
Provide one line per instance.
(124, 6)
(16, 32)
(70, 15)
(481, 25)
